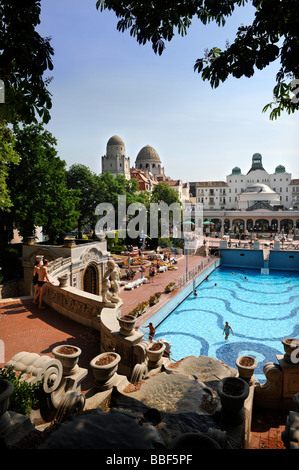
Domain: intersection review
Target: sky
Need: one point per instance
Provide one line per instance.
(105, 83)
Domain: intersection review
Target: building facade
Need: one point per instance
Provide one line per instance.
(255, 201)
(278, 189)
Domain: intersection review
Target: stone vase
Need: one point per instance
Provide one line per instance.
(154, 352)
(63, 280)
(69, 242)
(246, 366)
(290, 346)
(6, 389)
(126, 324)
(104, 368)
(68, 355)
(232, 391)
(29, 240)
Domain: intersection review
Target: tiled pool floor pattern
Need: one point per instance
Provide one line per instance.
(261, 309)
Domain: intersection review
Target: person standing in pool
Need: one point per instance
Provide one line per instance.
(227, 329)
(152, 330)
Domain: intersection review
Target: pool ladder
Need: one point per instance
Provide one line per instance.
(265, 269)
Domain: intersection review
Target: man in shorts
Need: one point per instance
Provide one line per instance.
(42, 279)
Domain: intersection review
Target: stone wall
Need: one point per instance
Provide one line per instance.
(74, 304)
(10, 289)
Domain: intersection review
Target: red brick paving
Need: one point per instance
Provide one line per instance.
(23, 327)
(266, 429)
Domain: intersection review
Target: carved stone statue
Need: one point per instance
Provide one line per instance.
(110, 285)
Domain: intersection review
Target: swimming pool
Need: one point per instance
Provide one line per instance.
(261, 309)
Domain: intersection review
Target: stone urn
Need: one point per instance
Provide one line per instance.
(68, 355)
(69, 242)
(232, 391)
(104, 368)
(63, 280)
(126, 324)
(246, 366)
(291, 349)
(29, 240)
(6, 389)
(154, 352)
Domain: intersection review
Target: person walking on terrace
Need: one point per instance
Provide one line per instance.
(43, 278)
(35, 280)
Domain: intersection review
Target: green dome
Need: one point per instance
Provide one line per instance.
(236, 171)
(280, 169)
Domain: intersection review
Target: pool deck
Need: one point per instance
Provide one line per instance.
(23, 327)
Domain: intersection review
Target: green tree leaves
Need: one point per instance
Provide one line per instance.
(38, 187)
(272, 36)
(24, 58)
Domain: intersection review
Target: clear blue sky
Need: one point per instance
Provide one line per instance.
(105, 83)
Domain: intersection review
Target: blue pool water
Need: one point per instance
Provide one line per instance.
(261, 310)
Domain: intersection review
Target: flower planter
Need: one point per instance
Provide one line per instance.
(291, 349)
(246, 366)
(68, 355)
(232, 391)
(154, 352)
(170, 288)
(104, 368)
(154, 299)
(127, 324)
(6, 389)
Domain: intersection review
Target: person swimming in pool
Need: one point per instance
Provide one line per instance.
(227, 329)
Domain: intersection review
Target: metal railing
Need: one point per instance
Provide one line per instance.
(184, 279)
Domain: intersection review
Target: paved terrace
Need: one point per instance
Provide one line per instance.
(23, 327)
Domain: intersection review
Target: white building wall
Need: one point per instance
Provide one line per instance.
(280, 182)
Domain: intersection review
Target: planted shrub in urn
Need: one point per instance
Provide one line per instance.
(154, 352)
(126, 323)
(68, 355)
(104, 368)
(246, 366)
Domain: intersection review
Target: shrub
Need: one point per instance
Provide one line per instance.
(24, 396)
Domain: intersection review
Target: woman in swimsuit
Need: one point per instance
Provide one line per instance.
(227, 328)
(35, 280)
